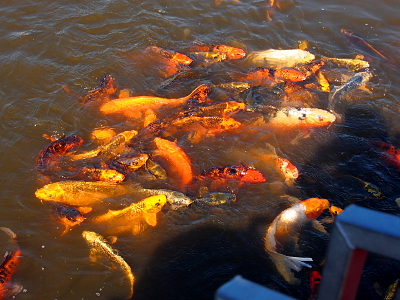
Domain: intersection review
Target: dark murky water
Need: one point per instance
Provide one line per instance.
(191, 251)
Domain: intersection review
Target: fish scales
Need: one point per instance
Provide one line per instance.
(100, 245)
(350, 85)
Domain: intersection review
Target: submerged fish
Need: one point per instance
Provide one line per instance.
(111, 148)
(99, 247)
(229, 51)
(49, 156)
(285, 228)
(365, 46)
(131, 162)
(352, 64)
(288, 74)
(216, 198)
(392, 290)
(179, 165)
(133, 107)
(277, 59)
(315, 281)
(240, 172)
(103, 92)
(300, 117)
(131, 218)
(339, 92)
(171, 55)
(8, 267)
(68, 215)
(80, 193)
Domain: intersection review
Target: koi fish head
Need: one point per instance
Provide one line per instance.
(110, 175)
(61, 146)
(230, 123)
(334, 210)
(316, 117)
(67, 215)
(315, 207)
(254, 176)
(107, 83)
(50, 192)
(182, 58)
(231, 52)
(154, 203)
(287, 168)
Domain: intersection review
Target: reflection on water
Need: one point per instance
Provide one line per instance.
(193, 250)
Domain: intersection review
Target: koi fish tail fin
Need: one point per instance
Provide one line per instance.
(285, 264)
(11, 290)
(200, 93)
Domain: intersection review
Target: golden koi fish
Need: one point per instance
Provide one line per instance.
(99, 247)
(110, 148)
(286, 226)
(133, 107)
(352, 64)
(179, 164)
(130, 218)
(80, 193)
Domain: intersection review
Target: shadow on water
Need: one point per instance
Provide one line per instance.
(335, 173)
(195, 264)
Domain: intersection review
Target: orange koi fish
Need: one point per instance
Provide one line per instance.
(8, 268)
(240, 172)
(176, 57)
(301, 117)
(224, 109)
(133, 107)
(50, 155)
(285, 229)
(390, 153)
(310, 68)
(334, 210)
(231, 52)
(288, 74)
(259, 76)
(178, 162)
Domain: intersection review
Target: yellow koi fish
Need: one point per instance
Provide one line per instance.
(131, 218)
(80, 193)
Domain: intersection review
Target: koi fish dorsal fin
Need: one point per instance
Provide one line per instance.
(200, 93)
(285, 264)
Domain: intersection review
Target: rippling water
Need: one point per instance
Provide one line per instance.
(192, 251)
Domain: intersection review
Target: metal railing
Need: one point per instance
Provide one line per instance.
(356, 232)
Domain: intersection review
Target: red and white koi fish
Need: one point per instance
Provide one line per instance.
(285, 229)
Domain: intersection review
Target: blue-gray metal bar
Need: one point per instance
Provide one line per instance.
(242, 289)
(357, 231)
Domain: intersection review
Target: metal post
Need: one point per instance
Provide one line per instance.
(357, 231)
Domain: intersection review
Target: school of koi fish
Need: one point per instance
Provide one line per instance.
(148, 163)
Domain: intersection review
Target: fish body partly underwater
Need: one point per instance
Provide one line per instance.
(276, 59)
(350, 85)
(8, 267)
(80, 193)
(99, 247)
(300, 117)
(133, 107)
(131, 218)
(179, 164)
(285, 229)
